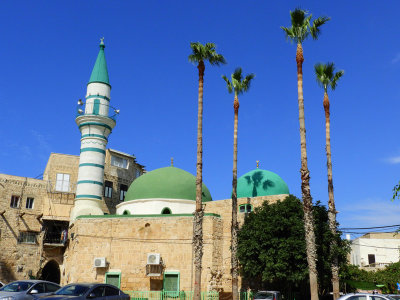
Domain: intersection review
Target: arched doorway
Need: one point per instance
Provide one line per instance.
(51, 272)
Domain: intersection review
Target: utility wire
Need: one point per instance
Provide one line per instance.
(367, 228)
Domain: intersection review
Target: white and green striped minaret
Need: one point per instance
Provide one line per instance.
(95, 125)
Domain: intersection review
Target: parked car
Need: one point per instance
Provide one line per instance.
(83, 291)
(395, 296)
(363, 296)
(268, 295)
(27, 289)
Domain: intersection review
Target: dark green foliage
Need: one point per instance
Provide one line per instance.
(301, 26)
(272, 250)
(361, 279)
(326, 75)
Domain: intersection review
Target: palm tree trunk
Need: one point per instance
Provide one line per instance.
(198, 215)
(234, 228)
(305, 184)
(331, 202)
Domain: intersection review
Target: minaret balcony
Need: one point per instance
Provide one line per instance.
(97, 109)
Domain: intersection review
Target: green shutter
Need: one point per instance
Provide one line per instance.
(113, 279)
(171, 283)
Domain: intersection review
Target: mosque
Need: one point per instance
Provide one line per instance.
(99, 217)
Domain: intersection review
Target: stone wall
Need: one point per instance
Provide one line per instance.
(125, 241)
(19, 259)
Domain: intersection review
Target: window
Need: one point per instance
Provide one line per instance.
(166, 211)
(14, 201)
(171, 282)
(29, 203)
(96, 106)
(27, 237)
(39, 287)
(119, 162)
(108, 188)
(113, 278)
(98, 292)
(245, 208)
(137, 173)
(122, 191)
(51, 287)
(62, 182)
(371, 259)
(357, 298)
(110, 291)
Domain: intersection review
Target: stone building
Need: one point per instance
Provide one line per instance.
(34, 212)
(97, 218)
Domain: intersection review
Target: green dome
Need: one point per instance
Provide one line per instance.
(167, 183)
(260, 182)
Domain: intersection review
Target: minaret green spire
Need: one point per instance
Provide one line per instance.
(100, 73)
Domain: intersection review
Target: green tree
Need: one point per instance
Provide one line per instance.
(272, 249)
(328, 78)
(301, 28)
(200, 54)
(238, 85)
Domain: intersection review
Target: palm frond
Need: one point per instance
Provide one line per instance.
(228, 83)
(336, 78)
(315, 30)
(301, 26)
(288, 33)
(205, 52)
(297, 17)
(240, 84)
(326, 76)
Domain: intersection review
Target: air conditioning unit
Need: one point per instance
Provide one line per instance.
(99, 262)
(153, 258)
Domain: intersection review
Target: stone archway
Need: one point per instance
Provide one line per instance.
(51, 272)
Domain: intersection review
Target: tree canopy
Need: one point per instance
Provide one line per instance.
(272, 250)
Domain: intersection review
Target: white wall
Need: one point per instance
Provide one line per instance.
(385, 251)
(155, 206)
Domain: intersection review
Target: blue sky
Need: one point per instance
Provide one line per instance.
(48, 50)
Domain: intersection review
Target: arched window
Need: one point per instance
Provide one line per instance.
(126, 212)
(166, 211)
(96, 107)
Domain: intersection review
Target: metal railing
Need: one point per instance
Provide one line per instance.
(162, 295)
(98, 109)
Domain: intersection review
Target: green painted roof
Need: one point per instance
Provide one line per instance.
(167, 183)
(100, 72)
(260, 182)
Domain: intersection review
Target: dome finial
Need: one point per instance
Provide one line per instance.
(102, 43)
(172, 161)
(258, 163)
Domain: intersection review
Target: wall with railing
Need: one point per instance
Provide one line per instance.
(161, 295)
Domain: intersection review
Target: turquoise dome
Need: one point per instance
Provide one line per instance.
(260, 182)
(166, 183)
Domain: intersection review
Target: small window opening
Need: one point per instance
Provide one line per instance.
(166, 211)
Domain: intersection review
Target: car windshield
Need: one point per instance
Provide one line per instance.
(264, 295)
(73, 290)
(17, 286)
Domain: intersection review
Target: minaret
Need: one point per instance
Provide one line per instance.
(95, 125)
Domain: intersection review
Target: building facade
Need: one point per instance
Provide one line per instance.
(35, 212)
(99, 217)
(375, 250)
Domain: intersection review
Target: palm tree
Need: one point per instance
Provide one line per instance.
(326, 77)
(301, 28)
(200, 54)
(238, 86)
